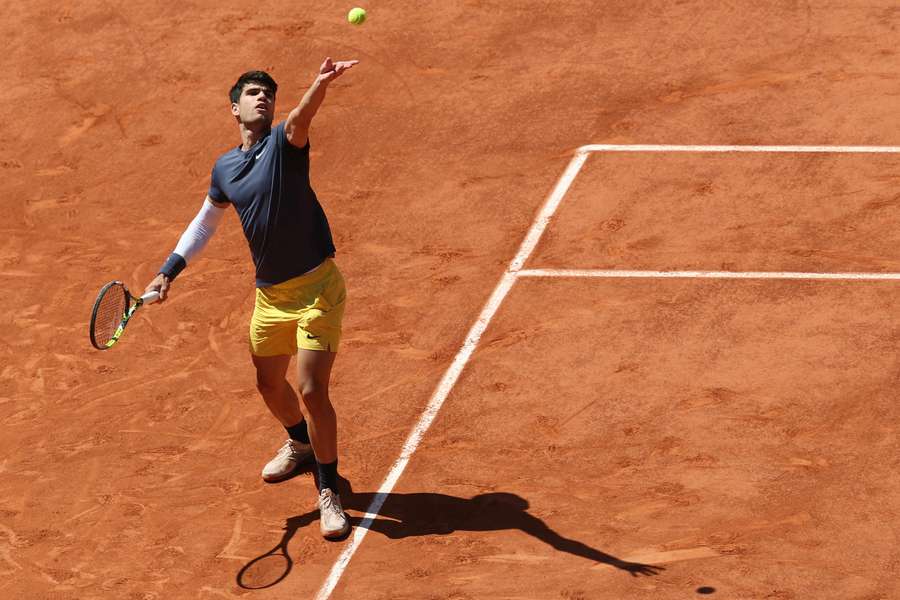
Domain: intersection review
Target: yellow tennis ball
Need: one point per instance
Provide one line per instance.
(357, 16)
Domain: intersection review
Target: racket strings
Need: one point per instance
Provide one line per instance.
(111, 309)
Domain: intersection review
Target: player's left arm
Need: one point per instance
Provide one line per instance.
(296, 127)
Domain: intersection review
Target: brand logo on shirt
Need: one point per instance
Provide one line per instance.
(260, 153)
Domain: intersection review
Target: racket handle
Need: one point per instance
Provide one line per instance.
(150, 297)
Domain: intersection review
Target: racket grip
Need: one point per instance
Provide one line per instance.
(150, 297)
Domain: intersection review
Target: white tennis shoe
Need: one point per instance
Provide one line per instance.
(290, 457)
(333, 520)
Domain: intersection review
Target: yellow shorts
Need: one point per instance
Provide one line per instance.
(303, 312)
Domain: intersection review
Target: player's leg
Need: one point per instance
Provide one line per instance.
(271, 381)
(314, 374)
(272, 344)
(318, 337)
(284, 405)
(317, 340)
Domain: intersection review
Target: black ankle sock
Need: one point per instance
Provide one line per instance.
(298, 432)
(328, 476)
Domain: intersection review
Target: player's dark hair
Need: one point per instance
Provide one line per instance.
(260, 77)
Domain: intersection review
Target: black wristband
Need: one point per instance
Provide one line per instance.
(174, 265)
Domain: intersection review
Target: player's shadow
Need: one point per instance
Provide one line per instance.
(427, 513)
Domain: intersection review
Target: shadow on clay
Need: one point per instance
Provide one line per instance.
(421, 514)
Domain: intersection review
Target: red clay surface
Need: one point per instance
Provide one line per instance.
(733, 212)
(761, 467)
(739, 434)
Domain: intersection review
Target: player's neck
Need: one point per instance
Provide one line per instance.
(251, 136)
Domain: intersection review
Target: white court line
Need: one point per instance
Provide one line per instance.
(547, 212)
(795, 149)
(449, 380)
(615, 273)
(506, 282)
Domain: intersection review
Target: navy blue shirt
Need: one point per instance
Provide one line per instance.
(281, 216)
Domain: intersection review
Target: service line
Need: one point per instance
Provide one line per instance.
(794, 149)
(622, 274)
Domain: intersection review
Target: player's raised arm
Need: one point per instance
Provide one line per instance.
(191, 243)
(296, 128)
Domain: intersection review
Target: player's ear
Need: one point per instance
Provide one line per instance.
(235, 109)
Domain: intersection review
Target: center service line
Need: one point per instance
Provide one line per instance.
(453, 372)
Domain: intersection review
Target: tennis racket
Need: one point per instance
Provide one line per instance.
(113, 308)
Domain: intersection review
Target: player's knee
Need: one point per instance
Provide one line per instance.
(268, 387)
(310, 388)
(314, 394)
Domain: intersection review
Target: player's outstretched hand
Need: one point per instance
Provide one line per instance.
(330, 70)
(159, 284)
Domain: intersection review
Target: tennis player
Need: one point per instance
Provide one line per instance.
(300, 293)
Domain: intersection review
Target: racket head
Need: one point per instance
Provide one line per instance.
(109, 314)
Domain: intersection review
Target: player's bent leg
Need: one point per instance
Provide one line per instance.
(279, 396)
(275, 389)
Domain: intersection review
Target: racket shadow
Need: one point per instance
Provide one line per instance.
(272, 567)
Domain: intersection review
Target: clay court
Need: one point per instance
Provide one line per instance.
(578, 362)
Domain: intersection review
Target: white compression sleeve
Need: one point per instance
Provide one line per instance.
(199, 231)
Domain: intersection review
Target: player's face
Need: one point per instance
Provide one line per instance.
(256, 105)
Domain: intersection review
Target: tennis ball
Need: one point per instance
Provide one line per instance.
(357, 16)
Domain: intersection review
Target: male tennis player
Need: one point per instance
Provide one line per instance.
(300, 292)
